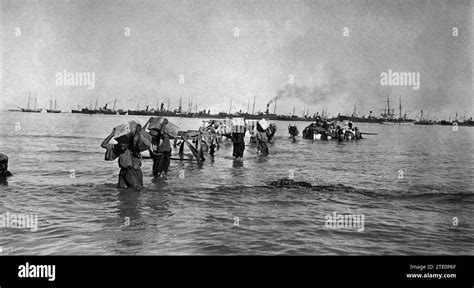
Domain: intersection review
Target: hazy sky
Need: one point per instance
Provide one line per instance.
(238, 50)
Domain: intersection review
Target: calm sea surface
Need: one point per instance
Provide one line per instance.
(407, 212)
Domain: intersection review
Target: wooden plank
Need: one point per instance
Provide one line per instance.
(194, 151)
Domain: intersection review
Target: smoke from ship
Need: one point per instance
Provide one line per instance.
(306, 94)
(331, 83)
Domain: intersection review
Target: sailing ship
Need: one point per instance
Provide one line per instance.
(34, 110)
(388, 114)
(51, 110)
(424, 121)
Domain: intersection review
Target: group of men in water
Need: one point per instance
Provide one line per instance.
(258, 135)
(129, 156)
(325, 130)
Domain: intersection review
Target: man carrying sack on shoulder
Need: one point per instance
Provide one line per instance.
(160, 150)
(129, 158)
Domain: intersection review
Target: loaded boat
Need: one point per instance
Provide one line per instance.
(325, 131)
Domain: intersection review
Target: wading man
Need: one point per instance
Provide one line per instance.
(4, 166)
(161, 154)
(129, 159)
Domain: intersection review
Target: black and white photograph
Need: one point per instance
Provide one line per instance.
(236, 127)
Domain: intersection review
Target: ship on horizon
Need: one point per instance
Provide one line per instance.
(388, 114)
(457, 122)
(104, 110)
(424, 121)
(34, 110)
(360, 119)
(51, 110)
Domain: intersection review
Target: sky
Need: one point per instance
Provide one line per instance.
(309, 54)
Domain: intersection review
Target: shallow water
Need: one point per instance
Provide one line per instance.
(86, 214)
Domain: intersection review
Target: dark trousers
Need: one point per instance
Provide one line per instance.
(129, 177)
(238, 150)
(161, 163)
(262, 147)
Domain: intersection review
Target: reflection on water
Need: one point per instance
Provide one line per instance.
(129, 214)
(195, 214)
(4, 181)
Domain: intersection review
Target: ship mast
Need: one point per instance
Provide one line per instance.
(400, 107)
(29, 95)
(388, 106)
(253, 109)
(388, 100)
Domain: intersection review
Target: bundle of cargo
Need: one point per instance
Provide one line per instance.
(171, 130)
(145, 141)
(215, 123)
(225, 128)
(263, 123)
(155, 124)
(271, 130)
(316, 132)
(293, 130)
(251, 124)
(238, 125)
(161, 124)
(222, 127)
(124, 133)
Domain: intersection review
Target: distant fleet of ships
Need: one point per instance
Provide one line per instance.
(387, 115)
(34, 110)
